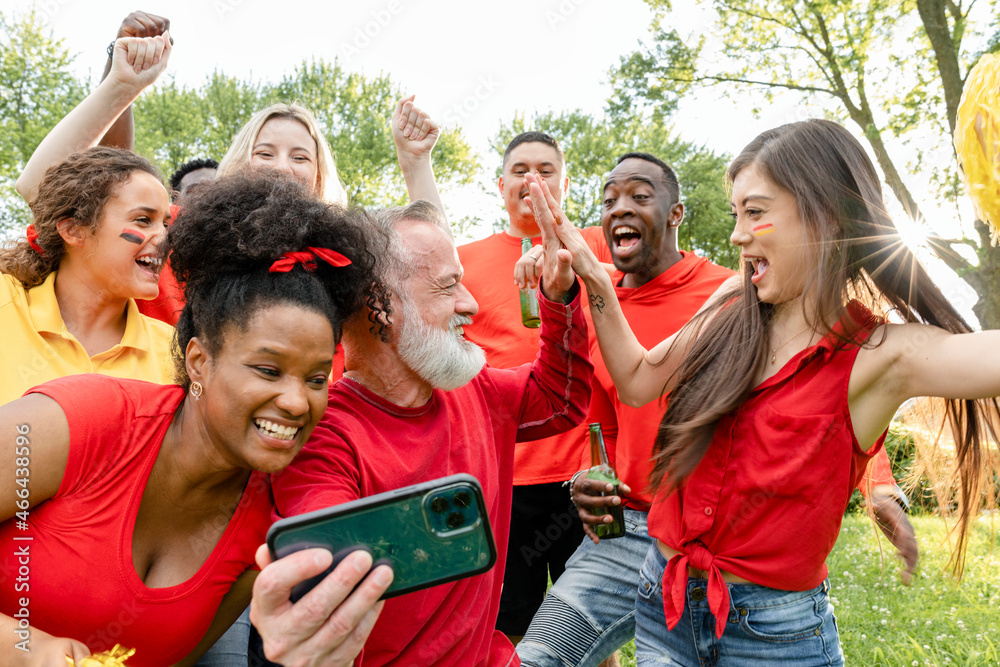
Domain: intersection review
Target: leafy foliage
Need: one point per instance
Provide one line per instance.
(175, 124)
(894, 68)
(36, 91)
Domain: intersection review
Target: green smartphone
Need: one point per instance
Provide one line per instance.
(430, 533)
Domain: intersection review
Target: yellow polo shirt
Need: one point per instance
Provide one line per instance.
(35, 346)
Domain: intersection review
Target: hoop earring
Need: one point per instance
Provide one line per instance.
(196, 390)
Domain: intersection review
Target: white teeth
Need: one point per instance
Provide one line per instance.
(150, 261)
(273, 430)
(625, 230)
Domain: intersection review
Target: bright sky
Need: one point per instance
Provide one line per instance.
(471, 64)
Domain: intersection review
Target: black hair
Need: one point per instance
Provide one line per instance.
(227, 237)
(188, 167)
(533, 137)
(673, 184)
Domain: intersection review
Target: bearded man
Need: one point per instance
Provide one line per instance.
(419, 403)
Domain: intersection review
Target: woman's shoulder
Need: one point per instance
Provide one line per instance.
(95, 394)
(10, 289)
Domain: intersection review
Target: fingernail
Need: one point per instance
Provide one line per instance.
(382, 576)
(362, 562)
(322, 558)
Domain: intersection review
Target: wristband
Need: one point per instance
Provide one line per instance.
(571, 481)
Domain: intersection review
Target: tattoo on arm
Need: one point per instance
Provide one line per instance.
(597, 301)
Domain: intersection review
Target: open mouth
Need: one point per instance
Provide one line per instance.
(151, 263)
(759, 265)
(626, 240)
(277, 431)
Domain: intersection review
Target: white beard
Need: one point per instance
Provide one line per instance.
(443, 359)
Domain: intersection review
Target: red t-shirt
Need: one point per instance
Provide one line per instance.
(654, 311)
(497, 328)
(83, 583)
(767, 500)
(366, 445)
(169, 303)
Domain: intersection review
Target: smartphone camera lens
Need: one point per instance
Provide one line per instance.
(455, 520)
(463, 499)
(439, 505)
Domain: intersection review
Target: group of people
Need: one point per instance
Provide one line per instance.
(298, 353)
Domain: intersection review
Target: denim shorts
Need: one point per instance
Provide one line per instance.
(766, 626)
(590, 611)
(231, 649)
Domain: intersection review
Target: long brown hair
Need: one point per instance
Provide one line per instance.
(77, 188)
(859, 254)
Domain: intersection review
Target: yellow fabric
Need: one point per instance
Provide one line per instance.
(977, 139)
(35, 346)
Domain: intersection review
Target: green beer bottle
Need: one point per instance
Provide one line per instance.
(529, 300)
(603, 472)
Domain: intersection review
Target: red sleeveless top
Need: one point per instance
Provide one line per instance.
(767, 500)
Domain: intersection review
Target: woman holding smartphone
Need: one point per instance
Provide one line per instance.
(142, 505)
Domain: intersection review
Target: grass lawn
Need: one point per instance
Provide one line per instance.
(934, 621)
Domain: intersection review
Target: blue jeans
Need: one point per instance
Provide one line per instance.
(765, 626)
(590, 611)
(231, 649)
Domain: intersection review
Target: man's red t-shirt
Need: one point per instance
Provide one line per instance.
(654, 311)
(489, 277)
(366, 445)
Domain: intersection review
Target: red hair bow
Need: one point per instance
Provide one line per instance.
(33, 239)
(307, 258)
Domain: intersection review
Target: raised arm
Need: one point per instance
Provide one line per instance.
(640, 375)
(137, 24)
(136, 63)
(414, 133)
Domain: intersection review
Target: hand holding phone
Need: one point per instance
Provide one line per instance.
(429, 533)
(295, 634)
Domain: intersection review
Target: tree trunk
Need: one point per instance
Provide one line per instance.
(987, 309)
(933, 14)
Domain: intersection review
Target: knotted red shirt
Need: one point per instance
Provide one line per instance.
(767, 500)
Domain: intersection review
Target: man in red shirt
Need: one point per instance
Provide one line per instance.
(545, 529)
(417, 404)
(590, 611)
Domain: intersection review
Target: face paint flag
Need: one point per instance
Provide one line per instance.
(133, 236)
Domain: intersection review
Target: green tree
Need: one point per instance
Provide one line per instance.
(176, 124)
(891, 67)
(36, 91)
(592, 146)
(355, 111)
